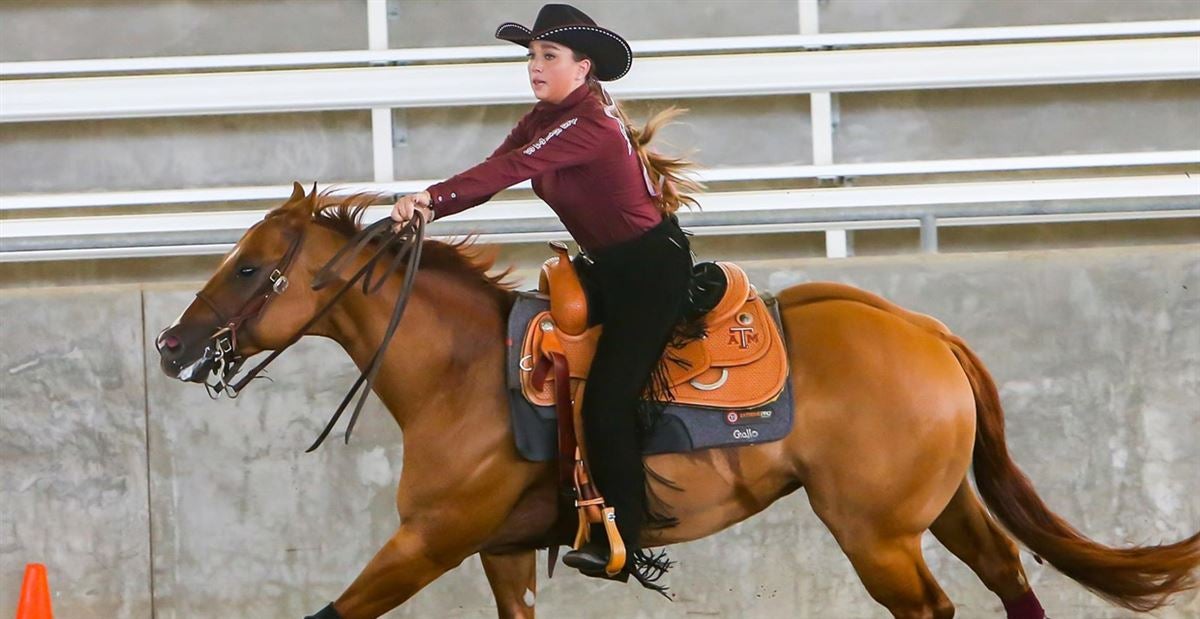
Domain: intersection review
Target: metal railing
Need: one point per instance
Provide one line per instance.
(735, 212)
(735, 66)
(722, 75)
(495, 53)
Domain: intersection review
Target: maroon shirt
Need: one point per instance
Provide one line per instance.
(582, 164)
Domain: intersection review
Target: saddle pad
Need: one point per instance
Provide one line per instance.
(683, 428)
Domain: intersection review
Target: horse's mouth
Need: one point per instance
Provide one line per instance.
(213, 369)
(199, 370)
(196, 370)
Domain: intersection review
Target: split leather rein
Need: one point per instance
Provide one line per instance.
(405, 243)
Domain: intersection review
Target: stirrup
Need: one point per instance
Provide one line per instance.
(592, 510)
(607, 516)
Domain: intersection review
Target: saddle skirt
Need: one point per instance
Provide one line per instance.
(680, 429)
(741, 362)
(729, 389)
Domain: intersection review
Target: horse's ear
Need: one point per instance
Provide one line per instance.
(307, 203)
(299, 203)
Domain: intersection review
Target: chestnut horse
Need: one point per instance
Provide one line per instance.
(891, 410)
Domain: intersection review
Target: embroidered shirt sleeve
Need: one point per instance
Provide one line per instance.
(573, 141)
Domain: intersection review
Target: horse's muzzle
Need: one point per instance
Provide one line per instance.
(187, 362)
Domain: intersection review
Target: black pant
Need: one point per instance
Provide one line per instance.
(642, 285)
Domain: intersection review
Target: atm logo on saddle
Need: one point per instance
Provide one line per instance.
(742, 337)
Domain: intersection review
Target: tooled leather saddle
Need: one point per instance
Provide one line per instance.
(731, 387)
(740, 364)
(737, 370)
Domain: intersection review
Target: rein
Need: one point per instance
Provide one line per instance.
(407, 242)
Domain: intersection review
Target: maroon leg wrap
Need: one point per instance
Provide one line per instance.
(1025, 607)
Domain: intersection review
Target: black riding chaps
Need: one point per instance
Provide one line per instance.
(642, 288)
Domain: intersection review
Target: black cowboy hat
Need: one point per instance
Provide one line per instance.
(565, 24)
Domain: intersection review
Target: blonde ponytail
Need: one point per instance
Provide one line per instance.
(671, 187)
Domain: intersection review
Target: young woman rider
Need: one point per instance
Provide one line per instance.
(616, 199)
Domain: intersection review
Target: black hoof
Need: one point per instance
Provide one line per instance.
(326, 613)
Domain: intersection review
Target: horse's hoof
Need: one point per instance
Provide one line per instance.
(329, 612)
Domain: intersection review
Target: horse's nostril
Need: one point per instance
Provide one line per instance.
(168, 342)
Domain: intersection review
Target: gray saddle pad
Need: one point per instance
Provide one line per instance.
(683, 428)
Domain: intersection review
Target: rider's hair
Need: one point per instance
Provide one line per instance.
(667, 174)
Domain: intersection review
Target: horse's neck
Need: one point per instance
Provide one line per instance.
(427, 359)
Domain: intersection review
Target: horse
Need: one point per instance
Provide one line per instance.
(891, 411)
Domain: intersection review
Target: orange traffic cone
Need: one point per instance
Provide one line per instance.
(35, 594)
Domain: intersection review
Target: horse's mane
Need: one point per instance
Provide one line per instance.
(463, 258)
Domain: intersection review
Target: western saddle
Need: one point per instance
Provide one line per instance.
(740, 363)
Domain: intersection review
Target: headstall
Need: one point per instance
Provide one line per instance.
(223, 341)
(405, 243)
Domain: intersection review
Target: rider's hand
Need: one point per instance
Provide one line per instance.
(408, 205)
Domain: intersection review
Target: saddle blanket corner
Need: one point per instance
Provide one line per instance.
(681, 429)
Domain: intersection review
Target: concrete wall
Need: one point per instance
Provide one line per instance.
(73, 488)
(140, 492)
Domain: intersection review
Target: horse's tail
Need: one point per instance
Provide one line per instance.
(1140, 578)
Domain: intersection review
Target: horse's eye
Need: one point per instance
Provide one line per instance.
(247, 271)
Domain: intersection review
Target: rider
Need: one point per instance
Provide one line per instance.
(616, 199)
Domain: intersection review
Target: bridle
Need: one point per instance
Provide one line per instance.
(407, 242)
(224, 340)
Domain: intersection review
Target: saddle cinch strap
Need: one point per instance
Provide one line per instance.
(741, 363)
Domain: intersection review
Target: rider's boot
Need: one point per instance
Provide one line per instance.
(592, 557)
